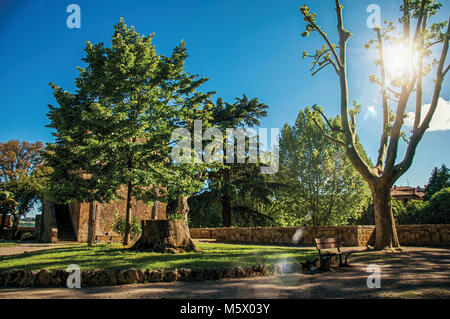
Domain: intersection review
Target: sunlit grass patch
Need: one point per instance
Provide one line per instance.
(7, 244)
(115, 256)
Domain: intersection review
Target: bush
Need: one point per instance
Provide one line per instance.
(26, 237)
(439, 207)
(434, 211)
(118, 225)
(414, 213)
(368, 216)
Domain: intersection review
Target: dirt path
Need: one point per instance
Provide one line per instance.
(20, 248)
(415, 273)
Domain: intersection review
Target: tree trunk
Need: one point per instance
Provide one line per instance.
(91, 224)
(226, 211)
(165, 236)
(226, 200)
(154, 213)
(385, 231)
(127, 234)
(15, 227)
(2, 225)
(183, 206)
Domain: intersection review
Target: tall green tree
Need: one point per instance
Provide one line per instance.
(416, 40)
(115, 130)
(439, 179)
(23, 178)
(324, 188)
(227, 182)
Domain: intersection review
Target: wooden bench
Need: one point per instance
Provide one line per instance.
(325, 257)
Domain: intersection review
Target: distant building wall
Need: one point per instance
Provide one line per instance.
(406, 193)
(79, 213)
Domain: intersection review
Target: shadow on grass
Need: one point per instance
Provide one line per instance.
(107, 256)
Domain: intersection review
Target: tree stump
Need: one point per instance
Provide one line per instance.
(165, 236)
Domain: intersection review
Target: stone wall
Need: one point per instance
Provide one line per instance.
(413, 235)
(8, 233)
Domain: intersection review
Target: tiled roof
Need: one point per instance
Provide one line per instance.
(407, 191)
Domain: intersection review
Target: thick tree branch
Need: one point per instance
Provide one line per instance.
(335, 129)
(417, 136)
(446, 70)
(384, 98)
(438, 83)
(331, 138)
(419, 86)
(419, 20)
(350, 136)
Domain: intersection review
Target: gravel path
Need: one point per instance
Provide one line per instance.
(20, 248)
(414, 273)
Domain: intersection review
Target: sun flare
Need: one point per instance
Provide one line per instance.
(398, 60)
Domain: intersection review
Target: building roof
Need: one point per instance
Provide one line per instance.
(417, 192)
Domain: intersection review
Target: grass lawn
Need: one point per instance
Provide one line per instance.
(115, 256)
(7, 244)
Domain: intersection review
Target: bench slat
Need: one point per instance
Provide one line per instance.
(326, 240)
(328, 245)
(324, 243)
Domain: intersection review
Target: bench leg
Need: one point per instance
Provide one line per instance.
(346, 262)
(325, 263)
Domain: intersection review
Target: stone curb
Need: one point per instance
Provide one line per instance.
(18, 278)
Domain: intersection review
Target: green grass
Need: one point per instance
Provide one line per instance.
(7, 244)
(115, 256)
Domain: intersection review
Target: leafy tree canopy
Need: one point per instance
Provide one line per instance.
(116, 128)
(439, 179)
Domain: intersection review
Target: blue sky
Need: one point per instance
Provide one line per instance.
(251, 47)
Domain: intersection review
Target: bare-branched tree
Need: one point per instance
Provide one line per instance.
(417, 41)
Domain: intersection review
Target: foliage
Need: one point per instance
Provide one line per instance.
(117, 128)
(233, 188)
(324, 188)
(175, 214)
(7, 203)
(434, 211)
(26, 236)
(368, 216)
(206, 215)
(415, 41)
(23, 177)
(439, 179)
(439, 207)
(118, 225)
(413, 213)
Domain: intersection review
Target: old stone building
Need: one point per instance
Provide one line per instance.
(406, 193)
(70, 222)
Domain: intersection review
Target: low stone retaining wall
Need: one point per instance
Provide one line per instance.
(96, 278)
(409, 235)
(8, 233)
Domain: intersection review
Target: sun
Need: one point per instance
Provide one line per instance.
(399, 60)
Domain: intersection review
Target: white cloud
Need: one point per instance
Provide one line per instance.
(371, 112)
(440, 120)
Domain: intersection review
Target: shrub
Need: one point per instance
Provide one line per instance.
(415, 213)
(118, 225)
(177, 215)
(26, 236)
(439, 207)
(434, 211)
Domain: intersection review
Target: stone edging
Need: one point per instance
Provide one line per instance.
(15, 278)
